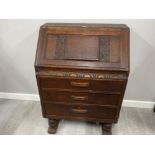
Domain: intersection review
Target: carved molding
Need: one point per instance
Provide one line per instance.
(80, 75)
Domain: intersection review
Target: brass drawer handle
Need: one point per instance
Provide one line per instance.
(80, 110)
(79, 98)
(80, 84)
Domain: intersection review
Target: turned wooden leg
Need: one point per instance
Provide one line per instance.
(106, 129)
(154, 109)
(53, 125)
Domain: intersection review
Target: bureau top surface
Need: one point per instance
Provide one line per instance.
(84, 46)
(88, 25)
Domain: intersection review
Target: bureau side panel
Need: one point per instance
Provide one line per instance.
(41, 97)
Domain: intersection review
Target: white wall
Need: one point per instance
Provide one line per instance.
(18, 41)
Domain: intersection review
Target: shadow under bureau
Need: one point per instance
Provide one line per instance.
(82, 72)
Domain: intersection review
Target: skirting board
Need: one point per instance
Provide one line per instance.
(35, 97)
(19, 96)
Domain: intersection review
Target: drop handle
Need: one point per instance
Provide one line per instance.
(79, 98)
(79, 84)
(80, 110)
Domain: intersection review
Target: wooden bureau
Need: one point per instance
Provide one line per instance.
(82, 72)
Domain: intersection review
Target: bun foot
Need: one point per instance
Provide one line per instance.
(52, 131)
(53, 126)
(106, 129)
(154, 109)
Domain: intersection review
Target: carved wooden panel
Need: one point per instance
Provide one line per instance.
(104, 45)
(73, 47)
(60, 47)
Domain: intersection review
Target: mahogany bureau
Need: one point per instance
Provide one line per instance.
(82, 72)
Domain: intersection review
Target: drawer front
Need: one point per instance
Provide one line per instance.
(82, 111)
(72, 97)
(97, 85)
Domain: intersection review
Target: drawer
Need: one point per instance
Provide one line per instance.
(75, 97)
(82, 111)
(100, 85)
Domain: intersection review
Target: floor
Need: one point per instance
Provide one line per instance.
(24, 117)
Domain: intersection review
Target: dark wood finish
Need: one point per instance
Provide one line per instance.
(106, 128)
(82, 72)
(83, 97)
(86, 112)
(82, 84)
(154, 109)
(53, 125)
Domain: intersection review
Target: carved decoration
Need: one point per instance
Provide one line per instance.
(84, 75)
(104, 48)
(104, 51)
(60, 46)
